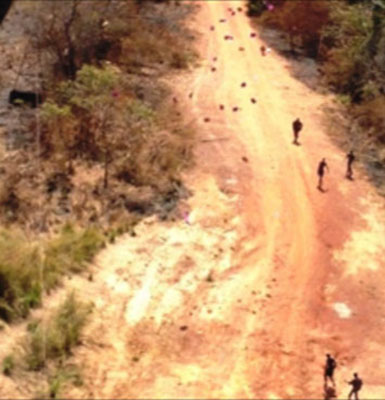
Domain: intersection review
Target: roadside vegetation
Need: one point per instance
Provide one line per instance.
(106, 147)
(27, 269)
(347, 38)
(48, 345)
(108, 144)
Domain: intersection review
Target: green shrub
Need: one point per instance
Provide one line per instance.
(343, 47)
(56, 338)
(8, 365)
(25, 269)
(20, 272)
(70, 252)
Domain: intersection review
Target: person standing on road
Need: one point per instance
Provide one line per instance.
(356, 386)
(297, 127)
(263, 50)
(321, 172)
(330, 366)
(349, 171)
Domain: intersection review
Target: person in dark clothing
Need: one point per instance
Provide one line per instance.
(330, 366)
(263, 50)
(349, 171)
(297, 127)
(321, 172)
(356, 386)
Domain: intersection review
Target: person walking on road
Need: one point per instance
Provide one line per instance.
(297, 127)
(263, 50)
(349, 171)
(321, 172)
(356, 386)
(330, 366)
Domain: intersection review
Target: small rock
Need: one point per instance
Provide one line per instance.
(183, 328)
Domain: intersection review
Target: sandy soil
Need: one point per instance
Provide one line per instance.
(244, 298)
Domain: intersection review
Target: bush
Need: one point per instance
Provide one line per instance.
(70, 252)
(57, 337)
(24, 267)
(8, 365)
(20, 267)
(343, 47)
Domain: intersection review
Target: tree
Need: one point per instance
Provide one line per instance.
(304, 20)
(75, 32)
(61, 127)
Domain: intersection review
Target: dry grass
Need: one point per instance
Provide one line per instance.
(56, 338)
(25, 267)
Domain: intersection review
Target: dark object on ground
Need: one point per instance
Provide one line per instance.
(222, 20)
(243, 84)
(233, 13)
(263, 50)
(221, 107)
(245, 159)
(20, 97)
(190, 95)
(239, 9)
(254, 101)
(329, 393)
(213, 69)
(215, 59)
(235, 109)
(253, 34)
(183, 328)
(4, 8)
(212, 28)
(175, 100)
(241, 49)
(228, 37)
(206, 119)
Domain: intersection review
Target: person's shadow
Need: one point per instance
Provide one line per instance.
(329, 392)
(321, 189)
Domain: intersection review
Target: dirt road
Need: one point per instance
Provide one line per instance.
(245, 298)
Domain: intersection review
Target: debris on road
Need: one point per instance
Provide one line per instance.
(253, 100)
